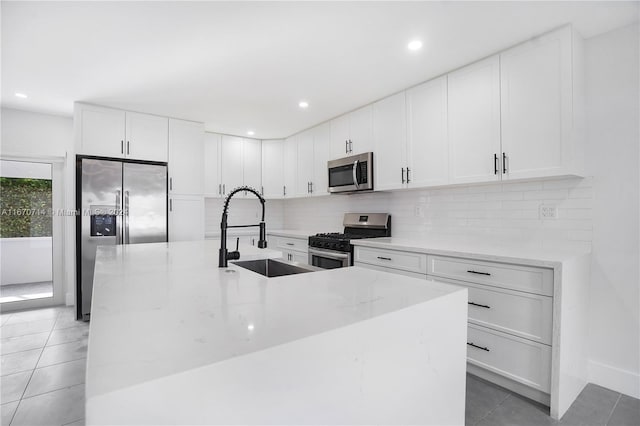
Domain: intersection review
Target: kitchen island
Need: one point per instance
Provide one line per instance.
(176, 340)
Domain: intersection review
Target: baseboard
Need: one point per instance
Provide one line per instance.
(616, 379)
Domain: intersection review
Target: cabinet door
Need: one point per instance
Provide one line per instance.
(186, 218)
(305, 163)
(290, 167)
(361, 130)
(427, 141)
(212, 184)
(474, 122)
(536, 101)
(186, 150)
(321, 145)
(390, 136)
(231, 163)
(339, 137)
(102, 131)
(273, 168)
(147, 137)
(252, 164)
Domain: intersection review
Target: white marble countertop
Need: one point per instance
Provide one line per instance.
(162, 309)
(489, 250)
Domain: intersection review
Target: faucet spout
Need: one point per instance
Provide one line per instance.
(223, 254)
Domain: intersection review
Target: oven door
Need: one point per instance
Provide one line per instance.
(328, 259)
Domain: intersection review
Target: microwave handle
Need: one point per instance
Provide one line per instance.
(355, 174)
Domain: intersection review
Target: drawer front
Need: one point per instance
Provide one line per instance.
(406, 261)
(515, 277)
(391, 270)
(522, 314)
(520, 360)
(297, 244)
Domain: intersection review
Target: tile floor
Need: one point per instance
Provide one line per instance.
(42, 370)
(43, 365)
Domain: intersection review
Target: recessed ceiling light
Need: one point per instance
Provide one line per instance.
(414, 45)
(303, 104)
(21, 95)
(251, 133)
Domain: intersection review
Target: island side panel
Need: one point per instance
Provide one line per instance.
(405, 367)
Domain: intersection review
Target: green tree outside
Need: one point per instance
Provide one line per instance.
(25, 207)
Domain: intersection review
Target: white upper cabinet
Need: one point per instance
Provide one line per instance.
(107, 132)
(427, 139)
(305, 163)
(474, 122)
(290, 167)
(273, 168)
(212, 184)
(147, 137)
(352, 133)
(186, 151)
(231, 163)
(101, 131)
(390, 136)
(252, 164)
(321, 146)
(537, 107)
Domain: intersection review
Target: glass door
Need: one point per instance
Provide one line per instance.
(27, 222)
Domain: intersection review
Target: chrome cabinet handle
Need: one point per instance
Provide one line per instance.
(479, 305)
(224, 189)
(121, 147)
(284, 191)
(346, 146)
(504, 163)
(403, 175)
(384, 258)
(408, 179)
(170, 205)
(170, 184)
(495, 164)
(311, 187)
(290, 244)
(219, 189)
(350, 145)
(484, 348)
(127, 147)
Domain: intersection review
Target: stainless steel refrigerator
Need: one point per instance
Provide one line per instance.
(119, 202)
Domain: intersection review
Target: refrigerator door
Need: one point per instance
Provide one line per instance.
(100, 220)
(144, 203)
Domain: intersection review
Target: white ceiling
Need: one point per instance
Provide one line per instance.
(245, 65)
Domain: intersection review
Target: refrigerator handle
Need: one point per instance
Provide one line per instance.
(126, 216)
(118, 220)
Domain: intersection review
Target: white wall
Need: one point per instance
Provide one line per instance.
(613, 137)
(25, 260)
(600, 212)
(30, 134)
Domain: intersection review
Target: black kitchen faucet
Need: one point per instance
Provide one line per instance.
(225, 255)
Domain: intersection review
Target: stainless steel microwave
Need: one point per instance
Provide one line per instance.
(351, 174)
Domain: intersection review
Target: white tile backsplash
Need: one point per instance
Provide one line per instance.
(242, 212)
(504, 211)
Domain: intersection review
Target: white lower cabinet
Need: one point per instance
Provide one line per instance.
(186, 218)
(510, 312)
(293, 249)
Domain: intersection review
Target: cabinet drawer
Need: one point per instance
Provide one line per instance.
(296, 244)
(406, 261)
(391, 270)
(519, 359)
(523, 314)
(516, 277)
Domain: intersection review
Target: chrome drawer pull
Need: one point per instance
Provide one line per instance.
(479, 273)
(290, 244)
(479, 305)
(479, 347)
(384, 258)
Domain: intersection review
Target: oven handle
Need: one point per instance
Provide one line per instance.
(355, 174)
(329, 253)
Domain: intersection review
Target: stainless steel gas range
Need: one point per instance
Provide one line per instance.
(334, 250)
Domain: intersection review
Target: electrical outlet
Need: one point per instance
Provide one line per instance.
(548, 212)
(418, 210)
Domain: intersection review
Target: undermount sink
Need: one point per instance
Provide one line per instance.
(275, 268)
